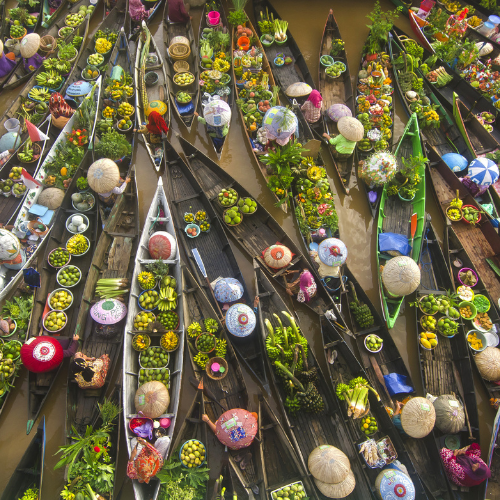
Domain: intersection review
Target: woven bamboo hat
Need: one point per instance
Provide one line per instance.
(488, 363)
(51, 198)
(328, 464)
(30, 45)
(1, 48)
(401, 276)
(298, 89)
(418, 417)
(103, 175)
(337, 490)
(277, 256)
(351, 128)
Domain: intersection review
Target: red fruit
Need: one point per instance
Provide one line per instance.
(226, 195)
(252, 94)
(194, 232)
(266, 103)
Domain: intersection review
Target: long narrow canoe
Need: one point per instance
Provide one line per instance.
(346, 367)
(218, 143)
(394, 217)
(29, 471)
(257, 231)
(133, 28)
(336, 91)
(423, 453)
(148, 50)
(267, 69)
(40, 384)
(185, 30)
(10, 278)
(480, 242)
(310, 430)
(417, 24)
(112, 259)
(447, 368)
(155, 221)
(492, 486)
(185, 195)
(230, 392)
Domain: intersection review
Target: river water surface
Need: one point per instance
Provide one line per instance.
(306, 21)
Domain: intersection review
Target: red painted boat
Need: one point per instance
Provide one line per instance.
(416, 25)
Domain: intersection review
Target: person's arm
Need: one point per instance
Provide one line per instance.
(473, 450)
(119, 190)
(71, 350)
(200, 118)
(334, 140)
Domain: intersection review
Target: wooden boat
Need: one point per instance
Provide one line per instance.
(19, 74)
(10, 278)
(133, 28)
(447, 368)
(40, 384)
(170, 32)
(309, 430)
(149, 49)
(416, 25)
(49, 18)
(423, 452)
(267, 69)
(492, 486)
(337, 91)
(185, 195)
(404, 4)
(256, 232)
(344, 368)
(219, 143)
(112, 259)
(230, 392)
(9, 206)
(154, 222)
(374, 205)
(279, 459)
(393, 213)
(29, 470)
(480, 242)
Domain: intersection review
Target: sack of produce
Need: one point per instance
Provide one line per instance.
(488, 364)
(162, 245)
(450, 416)
(418, 417)
(152, 399)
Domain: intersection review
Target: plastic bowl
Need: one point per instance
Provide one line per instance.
(139, 304)
(67, 286)
(432, 348)
(191, 226)
(85, 220)
(326, 60)
(277, 64)
(148, 341)
(58, 267)
(180, 453)
(90, 207)
(369, 350)
(443, 335)
(60, 329)
(80, 254)
(479, 335)
(489, 306)
(15, 342)
(471, 305)
(60, 290)
(467, 269)
(465, 220)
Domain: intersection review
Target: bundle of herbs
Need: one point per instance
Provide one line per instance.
(113, 145)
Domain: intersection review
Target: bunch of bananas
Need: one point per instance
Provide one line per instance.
(168, 299)
(50, 79)
(211, 325)
(41, 94)
(194, 329)
(220, 348)
(201, 359)
(456, 202)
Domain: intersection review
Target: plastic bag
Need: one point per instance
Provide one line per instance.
(396, 384)
(162, 444)
(389, 242)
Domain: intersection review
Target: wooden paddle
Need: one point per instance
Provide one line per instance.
(413, 229)
(198, 384)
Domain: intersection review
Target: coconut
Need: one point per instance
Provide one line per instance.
(337, 490)
(76, 220)
(328, 464)
(418, 417)
(450, 416)
(83, 206)
(51, 198)
(72, 228)
(76, 197)
(488, 364)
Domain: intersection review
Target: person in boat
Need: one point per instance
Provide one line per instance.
(89, 373)
(155, 127)
(7, 64)
(144, 462)
(178, 11)
(342, 148)
(311, 109)
(307, 286)
(137, 11)
(217, 133)
(110, 197)
(464, 467)
(351, 131)
(396, 417)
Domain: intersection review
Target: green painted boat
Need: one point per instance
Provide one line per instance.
(393, 210)
(405, 5)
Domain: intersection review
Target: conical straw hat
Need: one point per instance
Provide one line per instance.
(401, 276)
(298, 89)
(30, 45)
(328, 464)
(1, 48)
(351, 128)
(337, 490)
(103, 175)
(277, 256)
(418, 417)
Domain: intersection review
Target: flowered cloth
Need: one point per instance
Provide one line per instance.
(459, 468)
(308, 287)
(100, 368)
(6, 65)
(33, 62)
(59, 107)
(137, 11)
(145, 465)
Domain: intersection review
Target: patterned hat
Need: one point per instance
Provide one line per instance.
(236, 428)
(228, 290)
(240, 320)
(337, 111)
(277, 256)
(41, 354)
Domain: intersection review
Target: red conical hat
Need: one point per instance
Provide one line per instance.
(41, 354)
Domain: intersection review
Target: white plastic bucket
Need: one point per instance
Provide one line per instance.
(486, 29)
(12, 125)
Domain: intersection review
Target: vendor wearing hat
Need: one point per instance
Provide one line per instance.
(156, 124)
(311, 109)
(29, 52)
(104, 178)
(351, 131)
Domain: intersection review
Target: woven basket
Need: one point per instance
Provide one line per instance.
(213, 375)
(181, 66)
(180, 48)
(47, 40)
(60, 122)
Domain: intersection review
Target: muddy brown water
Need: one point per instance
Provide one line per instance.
(306, 21)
